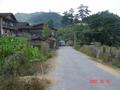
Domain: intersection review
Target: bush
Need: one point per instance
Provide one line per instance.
(88, 50)
(16, 56)
(36, 84)
(116, 63)
(45, 51)
(16, 65)
(10, 84)
(17, 60)
(10, 45)
(32, 83)
(32, 53)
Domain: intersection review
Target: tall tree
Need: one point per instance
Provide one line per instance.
(83, 11)
(68, 17)
(76, 18)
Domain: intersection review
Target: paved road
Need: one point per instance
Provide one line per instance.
(74, 71)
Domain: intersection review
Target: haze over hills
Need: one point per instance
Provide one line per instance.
(40, 17)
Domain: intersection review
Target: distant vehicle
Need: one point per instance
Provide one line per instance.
(62, 43)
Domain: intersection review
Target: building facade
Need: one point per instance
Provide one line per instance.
(8, 24)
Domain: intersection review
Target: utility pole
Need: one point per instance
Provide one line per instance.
(75, 39)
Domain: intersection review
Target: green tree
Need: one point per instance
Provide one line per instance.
(68, 17)
(106, 24)
(50, 23)
(83, 11)
(76, 19)
(46, 30)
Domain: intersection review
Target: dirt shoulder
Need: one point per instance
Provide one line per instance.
(108, 68)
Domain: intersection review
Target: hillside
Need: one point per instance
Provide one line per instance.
(40, 17)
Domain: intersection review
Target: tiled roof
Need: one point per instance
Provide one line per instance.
(5, 15)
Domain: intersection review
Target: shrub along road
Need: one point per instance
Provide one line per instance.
(75, 71)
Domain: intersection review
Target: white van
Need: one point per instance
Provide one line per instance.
(62, 43)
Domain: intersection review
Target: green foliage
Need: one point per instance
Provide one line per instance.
(46, 52)
(87, 51)
(116, 63)
(102, 27)
(102, 20)
(67, 33)
(16, 55)
(32, 53)
(50, 23)
(10, 45)
(16, 65)
(83, 11)
(106, 25)
(46, 31)
(18, 59)
(68, 17)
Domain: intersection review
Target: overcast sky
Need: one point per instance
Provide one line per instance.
(29, 6)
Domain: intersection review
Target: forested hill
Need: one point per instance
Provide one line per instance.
(40, 17)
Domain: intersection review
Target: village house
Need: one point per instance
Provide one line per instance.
(35, 33)
(52, 34)
(8, 24)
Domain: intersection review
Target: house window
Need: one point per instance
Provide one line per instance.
(3, 22)
(11, 24)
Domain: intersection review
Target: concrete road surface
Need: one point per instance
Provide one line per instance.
(75, 71)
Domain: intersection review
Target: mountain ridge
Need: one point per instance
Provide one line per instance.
(40, 17)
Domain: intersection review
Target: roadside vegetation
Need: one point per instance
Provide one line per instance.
(103, 54)
(22, 66)
(96, 35)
